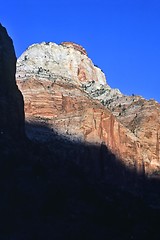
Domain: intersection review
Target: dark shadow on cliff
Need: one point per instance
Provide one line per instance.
(55, 188)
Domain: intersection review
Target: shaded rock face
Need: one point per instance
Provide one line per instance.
(54, 80)
(11, 100)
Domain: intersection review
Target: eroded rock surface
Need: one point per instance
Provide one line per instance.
(141, 117)
(63, 88)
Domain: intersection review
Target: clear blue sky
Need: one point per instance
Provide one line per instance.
(122, 37)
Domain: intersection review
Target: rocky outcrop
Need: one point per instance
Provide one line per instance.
(11, 101)
(59, 84)
(68, 110)
(52, 61)
(142, 117)
(75, 46)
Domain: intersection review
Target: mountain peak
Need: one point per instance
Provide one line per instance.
(67, 60)
(63, 88)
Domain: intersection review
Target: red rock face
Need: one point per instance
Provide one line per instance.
(142, 117)
(67, 109)
(146, 126)
(67, 105)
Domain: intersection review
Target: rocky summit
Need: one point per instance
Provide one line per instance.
(64, 89)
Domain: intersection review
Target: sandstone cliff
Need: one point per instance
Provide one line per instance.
(142, 117)
(60, 83)
(44, 193)
(11, 101)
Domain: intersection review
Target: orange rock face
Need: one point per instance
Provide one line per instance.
(142, 117)
(70, 111)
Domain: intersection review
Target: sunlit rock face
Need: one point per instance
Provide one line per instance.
(63, 89)
(49, 60)
(142, 117)
(11, 101)
(75, 46)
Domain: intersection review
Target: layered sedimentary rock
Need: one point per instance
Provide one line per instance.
(143, 119)
(42, 188)
(140, 116)
(11, 101)
(63, 88)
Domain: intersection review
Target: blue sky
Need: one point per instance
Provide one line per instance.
(122, 37)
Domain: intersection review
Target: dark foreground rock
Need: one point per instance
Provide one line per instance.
(11, 100)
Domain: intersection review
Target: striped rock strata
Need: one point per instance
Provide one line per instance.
(58, 83)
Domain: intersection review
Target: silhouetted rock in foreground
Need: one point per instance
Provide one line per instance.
(11, 100)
